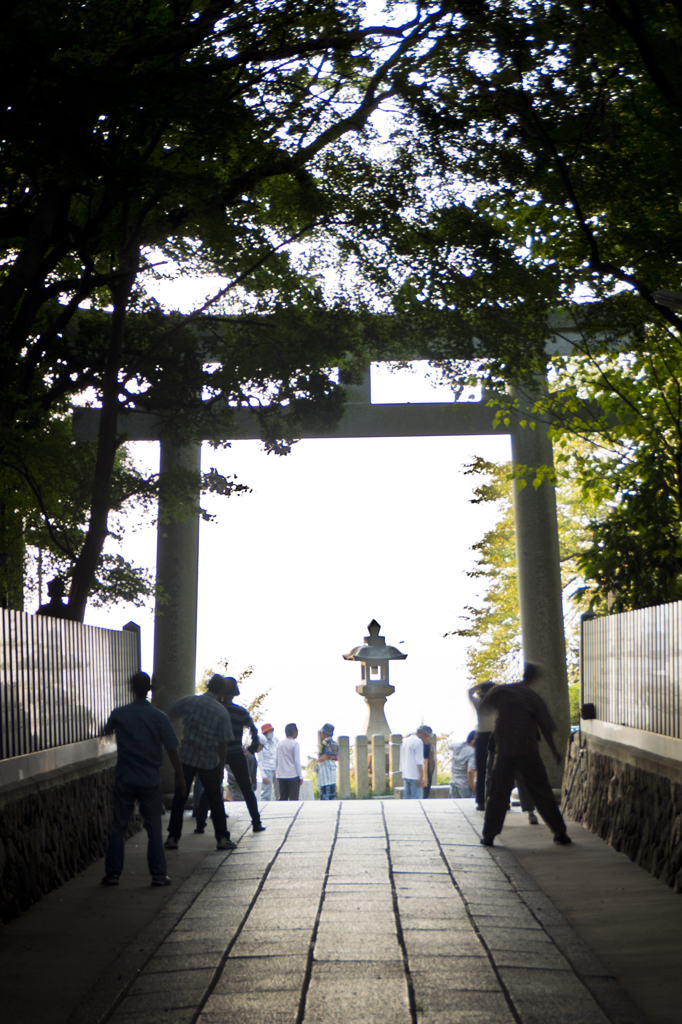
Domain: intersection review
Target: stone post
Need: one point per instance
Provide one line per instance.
(378, 764)
(177, 573)
(539, 574)
(395, 743)
(343, 769)
(361, 773)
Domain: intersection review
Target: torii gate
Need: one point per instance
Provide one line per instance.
(535, 519)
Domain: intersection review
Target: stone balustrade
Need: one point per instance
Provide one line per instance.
(376, 766)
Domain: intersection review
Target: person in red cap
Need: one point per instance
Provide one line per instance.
(267, 760)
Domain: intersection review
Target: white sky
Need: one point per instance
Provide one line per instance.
(333, 535)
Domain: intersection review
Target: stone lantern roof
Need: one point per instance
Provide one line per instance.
(374, 648)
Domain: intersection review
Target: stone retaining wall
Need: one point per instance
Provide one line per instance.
(632, 800)
(51, 828)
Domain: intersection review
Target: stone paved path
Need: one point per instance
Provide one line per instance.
(367, 912)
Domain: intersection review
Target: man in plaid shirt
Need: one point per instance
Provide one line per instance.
(207, 730)
(521, 712)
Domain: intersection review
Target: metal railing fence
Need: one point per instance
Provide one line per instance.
(632, 668)
(59, 680)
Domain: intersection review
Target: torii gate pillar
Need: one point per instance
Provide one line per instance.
(539, 574)
(177, 576)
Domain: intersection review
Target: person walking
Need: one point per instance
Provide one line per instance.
(267, 762)
(326, 763)
(289, 773)
(141, 733)
(234, 758)
(463, 768)
(486, 717)
(412, 763)
(207, 730)
(521, 713)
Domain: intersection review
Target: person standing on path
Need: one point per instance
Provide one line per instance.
(521, 713)
(326, 763)
(141, 734)
(412, 763)
(289, 773)
(526, 801)
(235, 757)
(429, 765)
(486, 717)
(463, 768)
(267, 762)
(207, 730)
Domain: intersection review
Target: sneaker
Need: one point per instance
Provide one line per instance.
(562, 839)
(259, 828)
(171, 843)
(225, 844)
(111, 879)
(160, 880)
(485, 841)
(532, 818)
(199, 830)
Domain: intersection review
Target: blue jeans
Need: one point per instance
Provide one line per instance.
(149, 799)
(411, 790)
(460, 792)
(328, 792)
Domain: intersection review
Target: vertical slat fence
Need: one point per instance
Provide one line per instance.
(59, 680)
(632, 668)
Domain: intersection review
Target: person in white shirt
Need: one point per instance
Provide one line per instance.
(412, 763)
(267, 761)
(289, 774)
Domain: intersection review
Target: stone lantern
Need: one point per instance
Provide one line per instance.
(374, 656)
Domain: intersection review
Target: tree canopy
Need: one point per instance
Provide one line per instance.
(552, 156)
(461, 180)
(138, 134)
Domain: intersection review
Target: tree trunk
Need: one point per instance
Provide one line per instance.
(12, 557)
(107, 445)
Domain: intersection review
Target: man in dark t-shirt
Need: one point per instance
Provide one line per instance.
(235, 758)
(521, 713)
(142, 732)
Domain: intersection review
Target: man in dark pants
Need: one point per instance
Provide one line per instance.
(235, 757)
(484, 730)
(141, 734)
(207, 730)
(521, 712)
